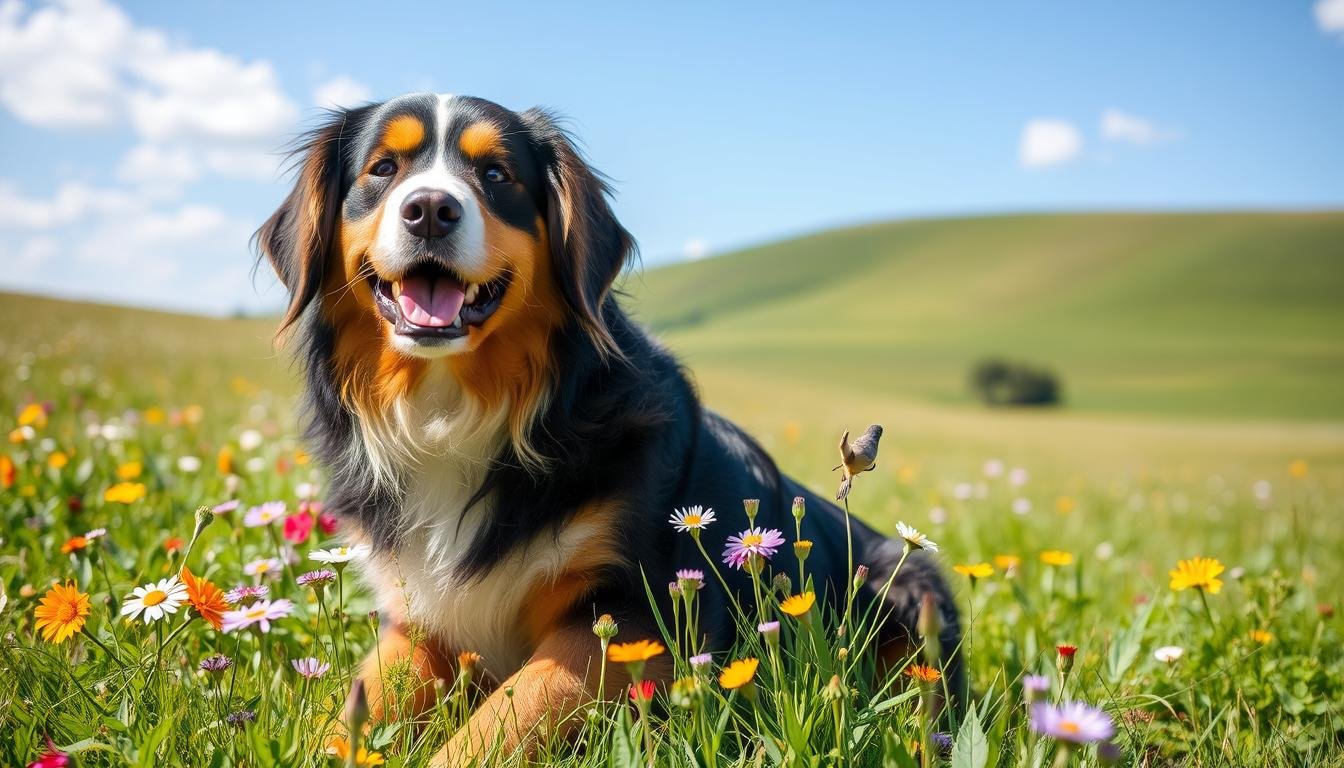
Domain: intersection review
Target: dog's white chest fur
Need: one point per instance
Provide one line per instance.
(443, 449)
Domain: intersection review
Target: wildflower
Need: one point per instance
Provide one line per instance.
(260, 613)
(799, 606)
(993, 467)
(860, 576)
(264, 567)
(923, 673)
(130, 470)
(96, 533)
(799, 508)
(215, 664)
(760, 542)
(1261, 636)
(975, 571)
(739, 674)
(467, 662)
(692, 519)
(241, 719)
(674, 589)
(1007, 562)
(605, 627)
(340, 748)
(205, 598)
(33, 415)
(1065, 505)
(264, 514)
(781, 584)
(310, 667)
(643, 691)
(1066, 650)
(1108, 753)
(226, 507)
(155, 601)
(701, 661)
(246, 593)
(340, 555)
(770, 631)
(189, 465)
(8, 472)
(58, 460)
(173, 544)
(298, 527)
(942, 743)
(691, 579)
(686, 692)
(801, 549)
(1169, 653)
(326, 521)
(1035, 687)
(1021, 506)
(1056, 557)
(914, 539)
(638, 651)
(124, 493)
(1199, 573)
(52, 757)
(1064, 659)
(61, 612)
(1018, 476)
(74, 544)
(316, 579)
(1075, 722)
(1298, 469)
(751, 507)
(250, 440)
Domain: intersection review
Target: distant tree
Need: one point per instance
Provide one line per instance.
(1004, 382)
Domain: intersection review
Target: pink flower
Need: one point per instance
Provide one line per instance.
(763, 542)
(260, 614)
(298, 526)
(326, 521)
(52, 758)
(226, 507)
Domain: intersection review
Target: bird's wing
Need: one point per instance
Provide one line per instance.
(846, 454)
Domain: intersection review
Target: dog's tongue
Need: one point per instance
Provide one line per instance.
(430, 301)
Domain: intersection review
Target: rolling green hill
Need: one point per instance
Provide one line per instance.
(1236, 315)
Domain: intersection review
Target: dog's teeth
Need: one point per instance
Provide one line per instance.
(472, 290)
(457, 321)
(396, 288)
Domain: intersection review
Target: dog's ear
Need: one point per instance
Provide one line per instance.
(296, 238)
(589, 247)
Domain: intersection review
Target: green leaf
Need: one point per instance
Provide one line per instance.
(971, 749)
(1126, 645)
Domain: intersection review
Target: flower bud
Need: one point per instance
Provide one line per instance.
(801, 549)
(799, 508)
(782, 584)
(752, 506)
(357, 707)
(605, 627)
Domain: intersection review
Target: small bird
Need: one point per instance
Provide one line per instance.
(856, 457)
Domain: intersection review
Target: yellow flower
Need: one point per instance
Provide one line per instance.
(1200, 573)
(975, 570)
(224, 461)
(33, 415)
(341, 749)
(301, 457)
(798, 605)
(57, 460)
(637, 652)
(1056, 557)
(739, 673)
(1007, 562)
(1298, 469)
(130, 470)
(61, 612)
(125, 493)
(154, 416)
(1261, 636)
(923, 673)
(1065, 504)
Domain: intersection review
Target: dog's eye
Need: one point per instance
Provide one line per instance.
(383, 167)
(496, 175)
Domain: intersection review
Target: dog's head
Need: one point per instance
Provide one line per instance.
(431, 227)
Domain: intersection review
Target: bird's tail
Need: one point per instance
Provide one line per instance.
(844, 488)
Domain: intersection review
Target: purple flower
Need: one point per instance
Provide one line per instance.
(260, 614)
(226, 507)
(264, 514)
(768, 627)
(701, 661)
(1036, 683)
(942, 743)
(246, 593)
(310, 667)
(762, 542)
(241, 718)
(316, 579)
(1074, 722)
(216, 663)
(690, 578)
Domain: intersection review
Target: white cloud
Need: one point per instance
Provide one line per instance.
(1121, 126)
(1048, 142)
(1330, 15)
(151, 164)
(72, 201)
(695, 249)
(341, 91)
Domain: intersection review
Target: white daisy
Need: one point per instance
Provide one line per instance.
(264, 567)
(691, 518)
(152, 601)
(1168, 654)
(339, 554)
(914, 538)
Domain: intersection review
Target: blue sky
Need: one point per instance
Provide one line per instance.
(138, 141)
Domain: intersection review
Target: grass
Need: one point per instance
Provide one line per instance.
(1136, 474)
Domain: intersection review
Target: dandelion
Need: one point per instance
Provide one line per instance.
(923, 673)
(340, 555)
(1056, 557)
(216, 664)
(760, 542)
(246, 593)
(130, 470)
(265, 567)
(1075, 723)
(310, 667)
(58, 460)
(61, 612)
(914, 539)
(74, 544)
(692, 519)
(638, 651)
(33, 415)
(154, 601)
(205, 598)
(975, 571)
(340, 748)
(739, 674)
(124, 493)
(798, 606)
(1169, 654)
(264, 514)
(1200, 573)
(259, 614)
(1261, 636)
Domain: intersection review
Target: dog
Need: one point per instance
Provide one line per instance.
(500, 432)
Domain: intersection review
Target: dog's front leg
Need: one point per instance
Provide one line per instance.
(399, 675)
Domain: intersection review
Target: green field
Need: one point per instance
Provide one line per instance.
(1203, 365)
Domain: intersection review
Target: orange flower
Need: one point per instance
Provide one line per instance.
(74, 544)
(205, 597)
(8, 473)
(58, 460)
(172, 544)
(636, 652)
(125, 493)
(340, 748)
(61, 612)
(923, 673)
(33, 415)
(799, 605)
(224, 461)
(739, 673)
(1007, 562)
(130, 470)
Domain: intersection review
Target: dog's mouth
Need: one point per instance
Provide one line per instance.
(434, 302)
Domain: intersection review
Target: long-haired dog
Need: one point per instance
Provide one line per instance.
(505, 438)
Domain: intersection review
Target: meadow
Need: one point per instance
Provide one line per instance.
(1203, 372)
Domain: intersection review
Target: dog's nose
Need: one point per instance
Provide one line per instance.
(430, 212)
